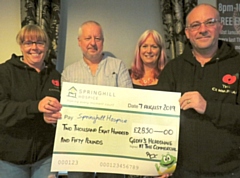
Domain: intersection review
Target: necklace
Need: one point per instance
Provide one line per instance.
(146, 82)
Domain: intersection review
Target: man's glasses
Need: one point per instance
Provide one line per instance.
(208, 23)
(30, 43)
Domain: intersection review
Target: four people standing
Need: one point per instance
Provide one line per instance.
(207, 75)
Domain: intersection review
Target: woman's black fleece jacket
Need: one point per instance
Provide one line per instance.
(209, 143)
(24, 136)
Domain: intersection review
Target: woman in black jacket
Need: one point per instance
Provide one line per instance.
(29, 102)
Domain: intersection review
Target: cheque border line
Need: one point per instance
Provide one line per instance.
(106, 155)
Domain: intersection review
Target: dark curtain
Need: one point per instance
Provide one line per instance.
(45, 13)
(174, 14)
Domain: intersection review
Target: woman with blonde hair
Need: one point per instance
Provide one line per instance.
(149, 60)
(29, 104)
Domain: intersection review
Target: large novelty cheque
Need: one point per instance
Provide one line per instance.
(116, 130)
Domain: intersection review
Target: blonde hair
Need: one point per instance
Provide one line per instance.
(137, 66)
(32, 32)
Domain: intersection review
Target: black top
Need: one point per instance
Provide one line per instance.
(148, 87)
(24, 136)
(209, 143)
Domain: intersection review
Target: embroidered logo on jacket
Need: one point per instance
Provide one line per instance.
(55, 83)
(229, 79)
(228, 84)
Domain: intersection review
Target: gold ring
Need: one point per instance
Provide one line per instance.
(49, 101)
(188, 101)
